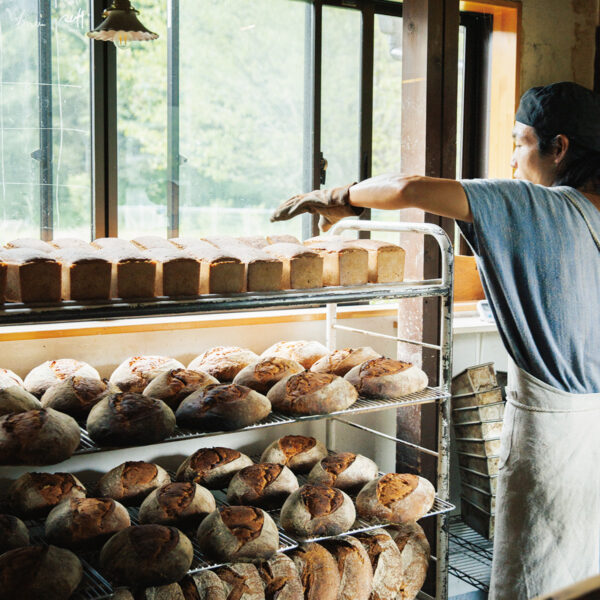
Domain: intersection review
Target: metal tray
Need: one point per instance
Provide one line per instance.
(485, 465)
(479, 447)
(487, 412)
(488, 483)
(477, 378)
(485, 430)
(477, 518)
(480, 498)
(478, 399)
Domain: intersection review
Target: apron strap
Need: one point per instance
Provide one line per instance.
(579, 208)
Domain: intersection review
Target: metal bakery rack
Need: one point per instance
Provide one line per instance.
(94, 586)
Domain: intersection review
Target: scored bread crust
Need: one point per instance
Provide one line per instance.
(241, 580)
(339, 362)
(262, 375)
(280, 578)
(223, 362)
(306, 352)
(136, 372)
(205, 585)
(175, 385)
(15, 399)
(212, 468)
(344, 470)
(9, 378)
(76, 395)
(297, 452)
(396, 498)
(318, 572)
(39, 379)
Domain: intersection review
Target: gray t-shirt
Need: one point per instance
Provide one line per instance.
(540, 270)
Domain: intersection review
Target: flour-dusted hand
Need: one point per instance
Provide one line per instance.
(332, 205)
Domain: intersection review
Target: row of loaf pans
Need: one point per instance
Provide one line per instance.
(475, 379)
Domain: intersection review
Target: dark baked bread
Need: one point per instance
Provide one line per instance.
(222, 408)
(317, 510)
(212, 468)
(183, 504)
(354, 565)
(241, 580)
(130, 482)
(204, 585)
(76, 395)
(238, 532)
(396, 498)
(318, 572)
(344, 470)
(34, 495)
(297, 452)
(85, 522)
(310, 393)
(281, 580)
(38, 380)
(265, 485)
(339, 362)
(306, 352)
(262, 375)
(387, 378)
(13, 533)
(37, 437)
(15, 399)
(223, 362)
(171, 591)
(176, 384)
(136, 372)
(36, 572)
(146, 555)
(128, 419)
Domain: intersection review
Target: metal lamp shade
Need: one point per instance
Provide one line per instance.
(121, 25)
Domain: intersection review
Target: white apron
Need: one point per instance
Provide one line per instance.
(548, 499)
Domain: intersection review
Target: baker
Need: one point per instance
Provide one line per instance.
(537, 243)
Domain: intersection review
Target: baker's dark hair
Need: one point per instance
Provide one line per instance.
(579, 168)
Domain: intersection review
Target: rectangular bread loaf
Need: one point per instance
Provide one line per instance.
(85, 274)
(386, 260)
(61, 243)
(31, 276)
(32, 243)
(283, 238)
(147, 242)
(302, 266)
(133, 272)
(177, 272)
(261, 241)
(343, 263)
(112, 244)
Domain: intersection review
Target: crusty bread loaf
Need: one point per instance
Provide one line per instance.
(85, 522)
(9, 378)
(415, 552)
(76, 395)
(212, 468)
(174, 385)
(343, 263)
(146, 555)
(222, 408)
(241, 580)
(386, 260)
(204, 585)
(34, 495)
(316, 511)
(177, 272)
(30, 243)
(297, 452)
(302, 267)
(37, 437)
(131, 481)
(262, 375)
(396, 498)
(237, 533)
(13, 533)
(136, 372)
(387, 378)
(265, 485)
(281, 580)
(171, 591)
(15, 399)
(306, 352)
(356, 572)
(43, 376)
(36, 572)
(182, 504)
(223, 362)
(85, 274)
(339, 362)
(130, 419)
(386, 563)
(318, 572)
(311, 393)
(345, 470)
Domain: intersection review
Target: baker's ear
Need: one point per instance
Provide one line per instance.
(560, 146)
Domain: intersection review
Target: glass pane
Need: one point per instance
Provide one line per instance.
(142, 127)
(460, 99)
(242, 114)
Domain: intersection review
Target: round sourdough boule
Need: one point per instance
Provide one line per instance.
(265, 485)
(297, 452)
(85, 522)
(223, 362)
(387, 378)
(171, 591)
(318, 572)
(339, 362)
(212, 468)
(344, 470)
(241, 580)
(310, 393)
(182, 503)
(129, 483)
(128, 419)
(204, 585)
(415, 552)
(76, 395)
(9, 378)
(317, 510)
(261, 376)
(34, 495)
(222, 408)
(176, 384)
(386, 563)
(280, 578)
(396, 498)
(238, 532)
(39, 379)
(136, 372)
(307, 353)
(37, 437)
(36, 572)
(13, 533)
(354, 565)
(15, 399)
(146, 555)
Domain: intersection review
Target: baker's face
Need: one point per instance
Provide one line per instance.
(527, 161)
